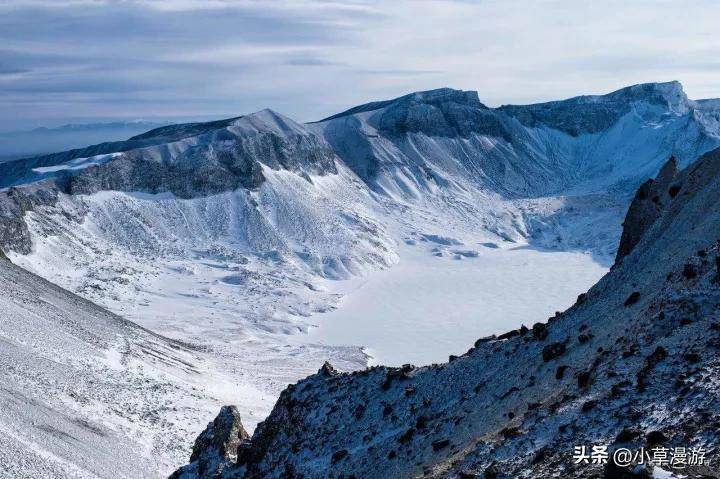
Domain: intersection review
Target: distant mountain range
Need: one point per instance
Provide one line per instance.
(38, 141)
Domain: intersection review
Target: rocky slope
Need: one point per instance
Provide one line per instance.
(633, 363)
(87, 394)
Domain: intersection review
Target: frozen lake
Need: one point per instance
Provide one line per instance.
(426, 308)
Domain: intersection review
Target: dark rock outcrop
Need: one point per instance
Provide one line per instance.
(443, 113)
(14, 204)
(552, 351)
(217, 446)
(651, 199)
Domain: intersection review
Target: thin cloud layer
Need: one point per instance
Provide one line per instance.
(85, 59)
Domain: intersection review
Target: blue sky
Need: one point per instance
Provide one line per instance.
(94, 60)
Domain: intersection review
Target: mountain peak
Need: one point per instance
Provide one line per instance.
(443, 95)
(669, 93)
(183, 130)
(594, 113)
(268, 120)
(436, 96)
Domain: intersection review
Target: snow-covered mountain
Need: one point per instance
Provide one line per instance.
(230, 235)
(446, 138)
(632, 364)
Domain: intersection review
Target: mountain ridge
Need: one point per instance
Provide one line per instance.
(532, 115)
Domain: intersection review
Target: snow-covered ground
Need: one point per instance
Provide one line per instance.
(428, 307)
(241, 283)
(87, 394)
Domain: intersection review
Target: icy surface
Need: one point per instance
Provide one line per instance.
(427, 307)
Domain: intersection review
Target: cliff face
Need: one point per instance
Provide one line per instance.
(631, 364)
(447, 141)
(651, 200)
(185, 161)
(593, 114)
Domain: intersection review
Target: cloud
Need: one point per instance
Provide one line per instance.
(398, 72)
(11, 71)
(311, 58)
(310, 61)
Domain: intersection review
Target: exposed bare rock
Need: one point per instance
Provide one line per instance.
(217, 447)
(651, 199)
(14, 205)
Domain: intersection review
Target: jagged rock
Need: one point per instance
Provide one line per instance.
(643, 212)
(406, 436)
(510, 432)
(691, 358)
(15, 203)
(509, 334)
(553, 351)
(583, 379)
(327, 370)
(485, 340)
(614, 471)
(539, 331)
(689, 271)
(492, 472)
(440, 444)
(656, 437)
(627, 435)
(650, 362)
(339, 455)
(633, 298)
(216, 448)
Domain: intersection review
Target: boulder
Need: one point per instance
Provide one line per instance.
(216, 448)
(552, 351)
